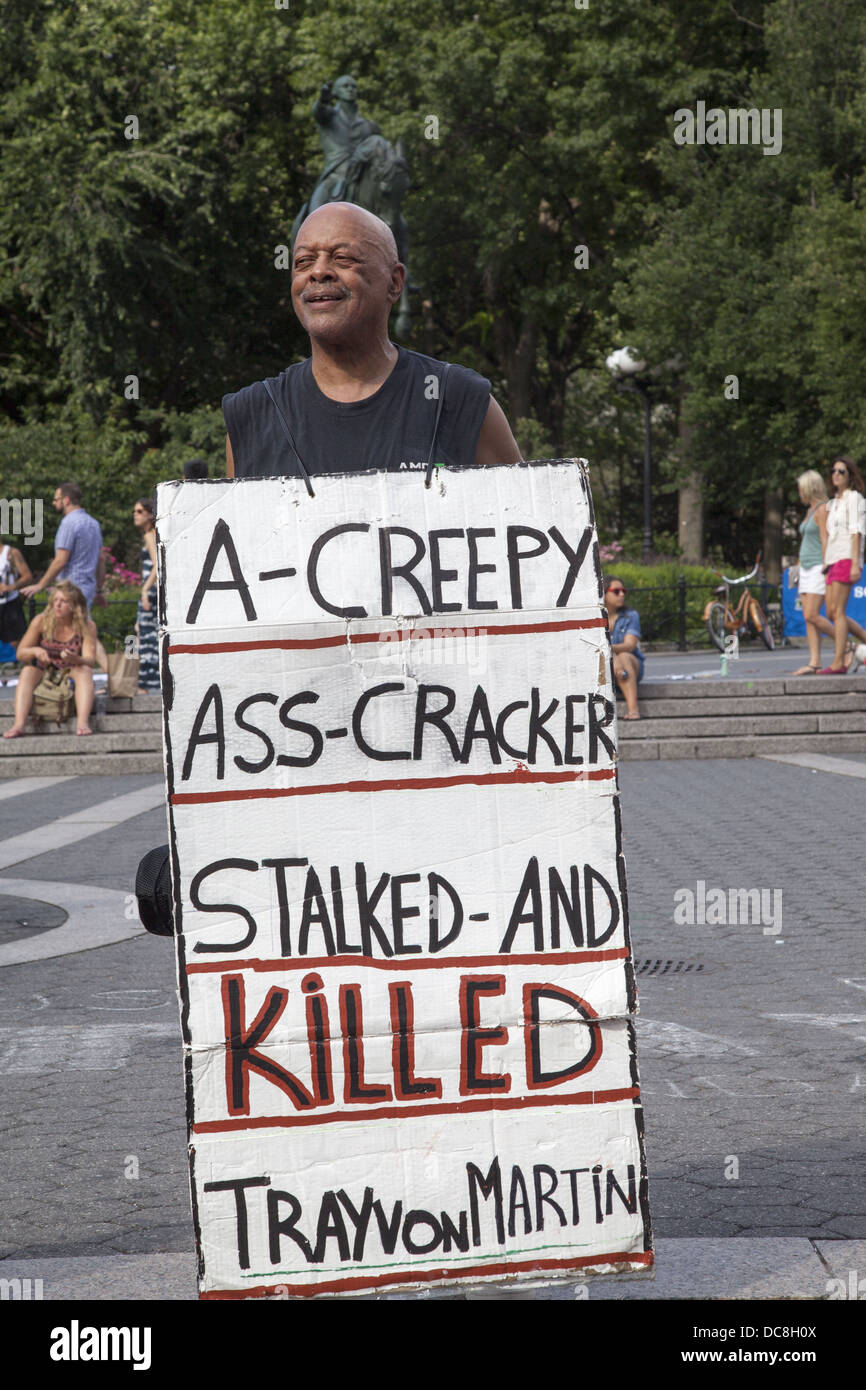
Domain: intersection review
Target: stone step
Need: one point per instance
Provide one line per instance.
(79, 765)
(138, 704)
(716, 688)
(710, 726)
(62, 743)
(744, 725)
(107, 723)
(749, 706)
(650, 750)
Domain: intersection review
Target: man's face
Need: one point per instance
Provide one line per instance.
(343, 284)
(58, 500)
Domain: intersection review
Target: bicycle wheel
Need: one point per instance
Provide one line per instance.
(761, 624)
(716, 625)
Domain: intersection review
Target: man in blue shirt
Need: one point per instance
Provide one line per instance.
(77, 547)
(628, 659)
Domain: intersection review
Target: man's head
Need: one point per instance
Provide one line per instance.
(345, 88)
(67, 496)
(345, 276)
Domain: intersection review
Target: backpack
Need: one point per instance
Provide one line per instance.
(153, 891)
(53, 697)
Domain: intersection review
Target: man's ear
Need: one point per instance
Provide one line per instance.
(398, 279)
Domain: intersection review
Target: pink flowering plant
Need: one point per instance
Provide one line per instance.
(611, 552)
(118, 577)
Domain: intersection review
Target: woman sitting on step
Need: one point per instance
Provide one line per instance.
(62, 636)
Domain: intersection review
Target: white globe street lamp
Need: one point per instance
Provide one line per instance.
(626, 367)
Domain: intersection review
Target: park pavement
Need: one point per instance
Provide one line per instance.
(751, 1040)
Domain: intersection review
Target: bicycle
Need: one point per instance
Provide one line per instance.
(721, 619)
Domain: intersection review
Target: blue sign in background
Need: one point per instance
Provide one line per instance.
(792, 617)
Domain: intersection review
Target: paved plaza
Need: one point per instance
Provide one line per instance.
(752, 1035)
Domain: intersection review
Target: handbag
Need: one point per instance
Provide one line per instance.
(122, 675)
(53, 697)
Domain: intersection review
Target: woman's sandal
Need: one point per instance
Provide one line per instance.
(806, 671)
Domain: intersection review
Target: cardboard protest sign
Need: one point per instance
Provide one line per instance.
(403, 951)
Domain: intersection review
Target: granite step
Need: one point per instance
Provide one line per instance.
(748, 746)
(77, 764)
(758, 705)
(716, 688)
(106, 723)
(63, 743)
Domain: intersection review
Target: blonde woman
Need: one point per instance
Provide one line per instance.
(843, 552)
(63, 636)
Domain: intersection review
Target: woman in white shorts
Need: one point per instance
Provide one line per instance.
(813, 583)
(813, 530)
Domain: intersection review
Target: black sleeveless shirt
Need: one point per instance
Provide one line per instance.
(391, 430)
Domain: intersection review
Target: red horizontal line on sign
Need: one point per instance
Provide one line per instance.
(406, 963)
(295, 644)
(384, 1112)
(599, 774)
(413, 1276)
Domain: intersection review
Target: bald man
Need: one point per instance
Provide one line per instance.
(359, 402)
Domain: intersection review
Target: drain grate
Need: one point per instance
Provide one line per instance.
(666, 967)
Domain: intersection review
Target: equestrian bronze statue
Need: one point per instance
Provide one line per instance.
(361, 167)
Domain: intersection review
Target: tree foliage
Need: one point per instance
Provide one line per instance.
(552, 218)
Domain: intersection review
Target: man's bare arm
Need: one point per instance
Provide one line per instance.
(496, 443)
(60, 561)
(230, 459)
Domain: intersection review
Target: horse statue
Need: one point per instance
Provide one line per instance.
(361, 167)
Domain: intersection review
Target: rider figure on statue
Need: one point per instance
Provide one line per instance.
(341, 130)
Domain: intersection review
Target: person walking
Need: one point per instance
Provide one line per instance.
(843, 554)
(14, 571)
(62, 636)
(146, 625)
(78, 557)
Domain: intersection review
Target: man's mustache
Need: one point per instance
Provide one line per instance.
(336, 293)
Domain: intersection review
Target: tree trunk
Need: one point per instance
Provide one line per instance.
(690, 523)
(514, 346)
(774, 502)
(690, 520)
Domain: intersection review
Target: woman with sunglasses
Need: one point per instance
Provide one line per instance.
(624, 628)
(843, 553)
(145, 627)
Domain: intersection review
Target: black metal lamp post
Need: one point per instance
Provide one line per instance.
(626, 367)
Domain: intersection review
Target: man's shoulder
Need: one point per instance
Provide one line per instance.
(434, 366)
(77, 523)
(437, 364)
(256, 392)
